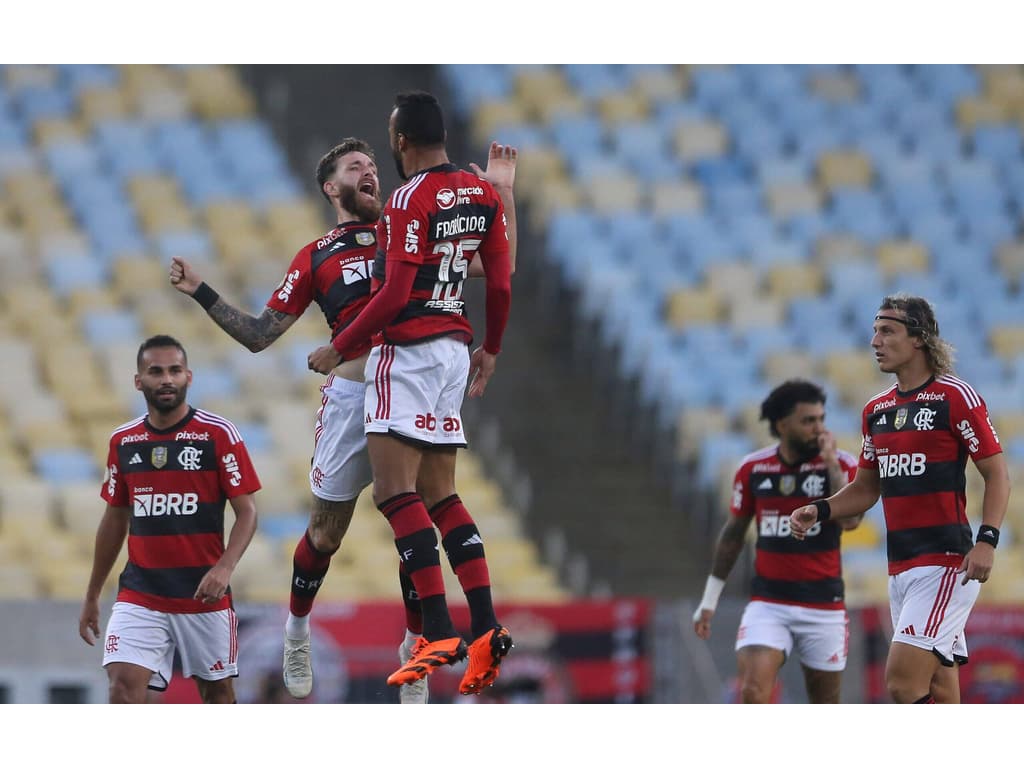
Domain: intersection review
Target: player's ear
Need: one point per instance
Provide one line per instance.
(138, 382)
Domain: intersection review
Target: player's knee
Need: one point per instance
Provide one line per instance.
(903, 690)
(326, 539)
(753, 691)
(122, 691)
(217, 691)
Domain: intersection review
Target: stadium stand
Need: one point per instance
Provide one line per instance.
(743, 222)
(105, 173)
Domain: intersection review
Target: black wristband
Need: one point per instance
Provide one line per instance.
(824, 510)
(206, 296)
(988, 534)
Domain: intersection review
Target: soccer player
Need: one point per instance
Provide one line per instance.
(334, 272)
(797, 591)
(432, 229)
(917, 435)
(168, 475)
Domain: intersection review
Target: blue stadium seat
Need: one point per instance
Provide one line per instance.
(103, 327)
(66, 466)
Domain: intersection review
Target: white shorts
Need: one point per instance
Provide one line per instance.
(929, 609)
(341, 464)
(416, 391)
(821, 636)
(206, 642)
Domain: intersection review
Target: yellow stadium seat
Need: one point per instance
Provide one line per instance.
(1010, 260)
(671, 197)
(864, 536)
(217, 92)
(733, 281)
(560, 194)
(693, 306)
(19, 76)
(613, 194)
(1007, 340)
(756, 312)
(835, 86)
(972, 111)
(788, 364)
(132, 271)
(699, 139)
(694, 425)
(623, 106)
(791, 198)
(99, 103)
(57, 130)
(840, 169)
(787, 280)
(897, 257)
(489, 117)
(18, 581)
(662, 84)
(1009, 426)
(538, 168)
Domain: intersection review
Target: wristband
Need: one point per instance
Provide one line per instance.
(987, 534)
(712, 591)
(824, 509)
(206, 296)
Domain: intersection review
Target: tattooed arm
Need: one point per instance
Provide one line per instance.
(253, 333)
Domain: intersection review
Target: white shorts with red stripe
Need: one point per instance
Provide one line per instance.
(929, 609)
(416, 391)
(821, 636)
(206, 642)
(341, 465)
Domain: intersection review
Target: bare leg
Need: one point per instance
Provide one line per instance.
(909, 672)
(759, 667)
(216, 691)
(129, 683)
(822, 686)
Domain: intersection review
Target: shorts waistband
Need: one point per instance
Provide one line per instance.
(344, 386)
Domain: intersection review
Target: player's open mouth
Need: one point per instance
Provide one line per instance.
(367, 189)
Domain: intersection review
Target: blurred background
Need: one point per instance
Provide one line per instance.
(689, 236)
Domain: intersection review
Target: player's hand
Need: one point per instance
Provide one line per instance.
(89, 621)
(323, 359)
(802, 520)
(827, 446)
(481, 368)
(702, 622)
(977, 564)
(501, 166)
(183, 276)
(214, 584)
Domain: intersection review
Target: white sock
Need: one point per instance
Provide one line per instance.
(297, 627)
(410, 639)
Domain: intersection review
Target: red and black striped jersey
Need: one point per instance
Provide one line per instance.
(333, 271)
(440, 220)
(175, 481)
(786, 570)
(918, 442)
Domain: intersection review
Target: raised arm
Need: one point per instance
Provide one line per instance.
(501, 173)
(253, 333)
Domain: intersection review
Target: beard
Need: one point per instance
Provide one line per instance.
(365, 208)
(164, 406)
(805, 451)
(398, 164)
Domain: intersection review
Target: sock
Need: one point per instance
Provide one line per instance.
(417, 548)
(411, 600)
(296, 627)
(309, 567)
(465, 550)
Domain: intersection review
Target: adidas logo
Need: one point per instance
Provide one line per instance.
(834, 659)
(908, 630)
(218, 667)
(989, 534)
(474, 539)
(368, 419)
(765, 484)
(881, 420)
(136, 459)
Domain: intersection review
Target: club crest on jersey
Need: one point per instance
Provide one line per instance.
(158, 457)
(365, 238)
(787, 484)
(445, 199)
(901, 418)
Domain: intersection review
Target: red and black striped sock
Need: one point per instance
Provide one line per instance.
(309, 567)
(411, 601)
(416, 542)
(465, 550)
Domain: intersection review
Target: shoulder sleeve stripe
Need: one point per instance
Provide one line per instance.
(883, 393)
(208, 418)
(404, 194)
(965, 389)
(128, 425)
